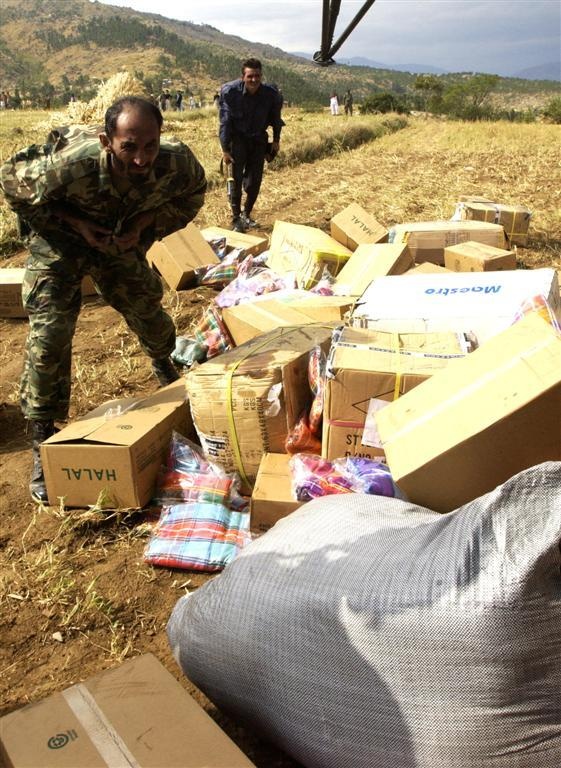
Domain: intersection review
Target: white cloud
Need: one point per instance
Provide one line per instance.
(459, 35)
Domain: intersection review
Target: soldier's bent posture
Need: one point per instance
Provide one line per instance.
(95, 202)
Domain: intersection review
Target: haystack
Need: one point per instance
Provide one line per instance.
(93, 112)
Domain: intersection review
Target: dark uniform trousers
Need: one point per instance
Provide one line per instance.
(52, 296)
(249, 158)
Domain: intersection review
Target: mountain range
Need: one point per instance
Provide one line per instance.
(55, 46)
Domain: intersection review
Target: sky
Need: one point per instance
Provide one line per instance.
(493, 36)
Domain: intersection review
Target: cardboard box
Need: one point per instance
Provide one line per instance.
(369, 262)
(484, 303)
(427, 268)
(246, 244)
(426, 240)
(305, 251)
(281, 309)
(482, 420)
(313, 305)
(117, 448)
(134, 715)
(272, 496)
(477, 257)
(514, 218)
(251, 318)
(11, 302)
(368, 365)
(354, 226)
(11, 282)
(178, 256)
(245, 401)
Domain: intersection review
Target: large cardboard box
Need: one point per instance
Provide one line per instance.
(314, 305)
(514, 218)
(354, 226)
(365, 366)
(305, 251)
(272, 496)
(246, 244)
(482, 302)
(178, 256)
(251, 318)
(426, 240)
(134, 715)
(477, 423)
(477, 257)
(280, 309)
(245, 401)
(116, 448)
(369, 262)
(11, 282)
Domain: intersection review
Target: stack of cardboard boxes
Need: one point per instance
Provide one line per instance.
(403, 318)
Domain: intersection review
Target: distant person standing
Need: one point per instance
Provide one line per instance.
(334, 104)
(348, 103)
(179, 101)
(247, 108)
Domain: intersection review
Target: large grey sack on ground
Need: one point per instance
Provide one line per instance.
(366, 631)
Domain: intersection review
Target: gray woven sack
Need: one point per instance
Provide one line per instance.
(363, 631)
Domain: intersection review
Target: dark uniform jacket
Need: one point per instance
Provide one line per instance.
(250, 116)
(73, 168)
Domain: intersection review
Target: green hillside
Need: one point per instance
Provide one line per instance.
(50, 48)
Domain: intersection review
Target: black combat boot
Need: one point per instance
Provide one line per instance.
(41, 431)
(165, 371)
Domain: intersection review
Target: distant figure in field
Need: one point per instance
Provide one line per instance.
(334, 104)
(179, 101)
(247, 108)
(192, 104)
(348, 103)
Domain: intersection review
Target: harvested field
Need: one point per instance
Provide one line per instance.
(81, 573)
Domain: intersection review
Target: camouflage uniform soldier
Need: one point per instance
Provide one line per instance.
(96, 209)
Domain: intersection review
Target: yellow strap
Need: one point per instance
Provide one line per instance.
(395, 347)
(233, 433)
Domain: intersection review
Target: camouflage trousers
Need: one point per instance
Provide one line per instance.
(52, 295)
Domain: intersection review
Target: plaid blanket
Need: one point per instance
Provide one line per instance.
(198, 536)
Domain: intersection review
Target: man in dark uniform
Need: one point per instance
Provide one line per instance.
(95, 202)
(247, 108)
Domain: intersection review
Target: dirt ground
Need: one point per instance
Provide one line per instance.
(49, 559)
(75, 595)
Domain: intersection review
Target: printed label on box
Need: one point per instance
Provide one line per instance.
(370, 434)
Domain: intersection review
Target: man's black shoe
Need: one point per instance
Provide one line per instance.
(249, 223)
(165, 371)
(41, 430)
(238, 224)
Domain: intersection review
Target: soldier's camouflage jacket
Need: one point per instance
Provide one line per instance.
(72, 167)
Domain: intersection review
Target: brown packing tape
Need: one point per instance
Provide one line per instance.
(101, 733)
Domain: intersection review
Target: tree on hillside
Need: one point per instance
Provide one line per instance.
(382, 102)
(552, 112)
(431, 88)
(467, 100)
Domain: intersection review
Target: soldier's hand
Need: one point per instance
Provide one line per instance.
(131, 236)
(94, 235)
(227, 157)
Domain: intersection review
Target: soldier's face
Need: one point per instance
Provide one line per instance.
(134, 146)
(251, 79)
